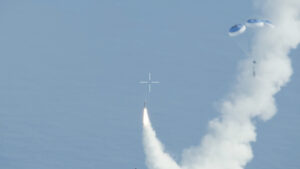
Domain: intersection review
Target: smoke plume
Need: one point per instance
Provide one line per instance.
(156, 157)
(227, 143)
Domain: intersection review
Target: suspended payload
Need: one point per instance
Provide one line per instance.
(253, 68)
(243, 42)
(237, 29)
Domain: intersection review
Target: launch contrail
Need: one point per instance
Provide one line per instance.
(154, 150)
(227, 143)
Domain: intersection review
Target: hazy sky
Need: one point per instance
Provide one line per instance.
(69, 72)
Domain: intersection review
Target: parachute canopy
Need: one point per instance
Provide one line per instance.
(269, 23)
(241, 28)
(255, 23)
(237, 29)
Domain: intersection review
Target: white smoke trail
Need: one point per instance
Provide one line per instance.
(227, 144)
(156, 157)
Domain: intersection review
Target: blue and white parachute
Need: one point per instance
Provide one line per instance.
(251, 23)
(237, 29)
(255, 23)
(268, 23)
(243, 42)
(258, 23)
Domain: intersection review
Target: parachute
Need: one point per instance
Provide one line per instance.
(237, 30)
(259, 23)
(268, 23)
(254, 23)
(251, 23)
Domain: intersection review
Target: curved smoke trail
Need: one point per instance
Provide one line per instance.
(227, 144)
(156, 157)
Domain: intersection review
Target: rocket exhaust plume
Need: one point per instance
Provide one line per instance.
(146, 120)
(154, 150)
(227, 143)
